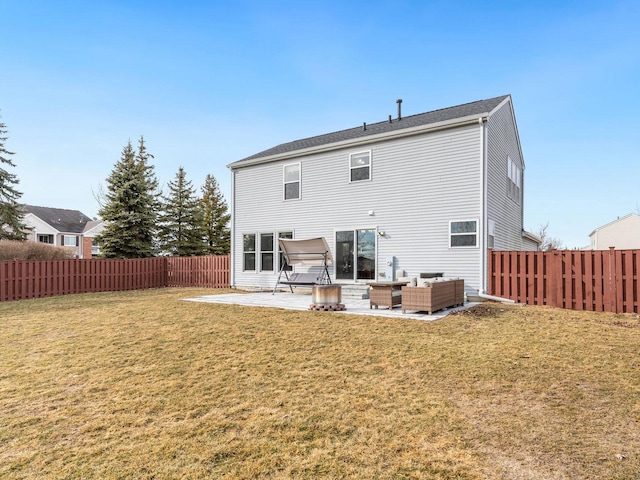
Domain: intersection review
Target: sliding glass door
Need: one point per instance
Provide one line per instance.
(356, 254)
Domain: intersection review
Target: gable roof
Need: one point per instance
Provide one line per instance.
(436, 116)
(63, 220)
(619, 219)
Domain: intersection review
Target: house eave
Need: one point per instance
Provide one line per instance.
(392, 135)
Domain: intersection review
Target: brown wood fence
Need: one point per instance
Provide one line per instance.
(22, 279)
(596, 280)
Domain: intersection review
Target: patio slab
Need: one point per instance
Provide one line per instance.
(301, 301)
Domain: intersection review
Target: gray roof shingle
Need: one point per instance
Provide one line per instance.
(63, 220)
(435, 116)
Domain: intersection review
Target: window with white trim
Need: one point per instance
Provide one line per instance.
(360, 166)
(514, 180)
(70, 240)
(291, 180)
(45, 238)
(249, 252)
(463, 233)
(266, 252)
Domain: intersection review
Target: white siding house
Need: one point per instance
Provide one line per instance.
(62, 227)
(427, 193)
(622, 234)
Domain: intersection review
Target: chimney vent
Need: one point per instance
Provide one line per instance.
(389, 118)
(399, 102)
(364, 126)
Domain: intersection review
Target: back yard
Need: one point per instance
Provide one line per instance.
(144, 385)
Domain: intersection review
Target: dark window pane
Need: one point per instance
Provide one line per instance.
(463, 240)
(266, 261)
(266, 242)
(249, 261)
(361, 173)
(249, 242)
(463, 227)
(291, 190)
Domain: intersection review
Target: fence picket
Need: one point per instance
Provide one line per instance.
(575, 279)
(21, 279)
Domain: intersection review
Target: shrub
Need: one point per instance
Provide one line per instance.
(14, 250)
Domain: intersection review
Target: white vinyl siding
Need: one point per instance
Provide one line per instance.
(421, 183)
(502, 148)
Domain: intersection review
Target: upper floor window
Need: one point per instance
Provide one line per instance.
(360, 166)
(463, 234)
(292, 181)
(514, 180)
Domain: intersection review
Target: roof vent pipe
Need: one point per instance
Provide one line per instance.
(364, 125)
(399, 102)
(389, 118)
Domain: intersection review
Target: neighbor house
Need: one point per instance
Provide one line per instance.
(62, 227)
(623, 233)
(426, 193)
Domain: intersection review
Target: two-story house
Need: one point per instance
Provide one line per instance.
(63, 227)
(423, 193)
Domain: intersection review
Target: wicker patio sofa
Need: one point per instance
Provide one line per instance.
(433, 294)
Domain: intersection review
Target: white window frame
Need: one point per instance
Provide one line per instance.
(476, 234)
(369, 165)
(245, 252)
(267, 252)
(286, 182)
(514, 181)
(66, 238)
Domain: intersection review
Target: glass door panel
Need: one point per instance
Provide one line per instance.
(344, 255)
(355, 255)
(366, 259)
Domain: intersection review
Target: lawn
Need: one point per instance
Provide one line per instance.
(145, 385)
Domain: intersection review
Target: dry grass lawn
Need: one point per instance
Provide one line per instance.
(145, 385)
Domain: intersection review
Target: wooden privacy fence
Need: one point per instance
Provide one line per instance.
(22, 279)
(596, 280)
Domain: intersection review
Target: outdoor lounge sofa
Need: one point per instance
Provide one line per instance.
(433, 294)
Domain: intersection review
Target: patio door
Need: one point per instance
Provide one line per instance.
(355, 254)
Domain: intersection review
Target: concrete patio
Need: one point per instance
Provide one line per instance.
(301, 301)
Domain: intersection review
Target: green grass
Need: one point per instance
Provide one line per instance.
(145, 385)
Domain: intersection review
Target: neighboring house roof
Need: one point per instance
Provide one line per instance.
(479, 107)
(63, 220)
(617, 220)
(93, 227)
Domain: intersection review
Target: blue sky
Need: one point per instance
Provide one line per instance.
(207, 83)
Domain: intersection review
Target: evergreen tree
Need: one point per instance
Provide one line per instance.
(11, 225)
(215, 218)
(181, 219)
(130, 206)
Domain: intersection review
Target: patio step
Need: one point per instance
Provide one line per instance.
(355, 291)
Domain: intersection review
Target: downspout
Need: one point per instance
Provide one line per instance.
(483, 202)
(232, 263)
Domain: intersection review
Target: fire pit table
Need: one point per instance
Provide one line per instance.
(388, 294)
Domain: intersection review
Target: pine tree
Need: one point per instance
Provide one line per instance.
(181, 219)
(130, 206)
(215, 219)
(11, 224)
